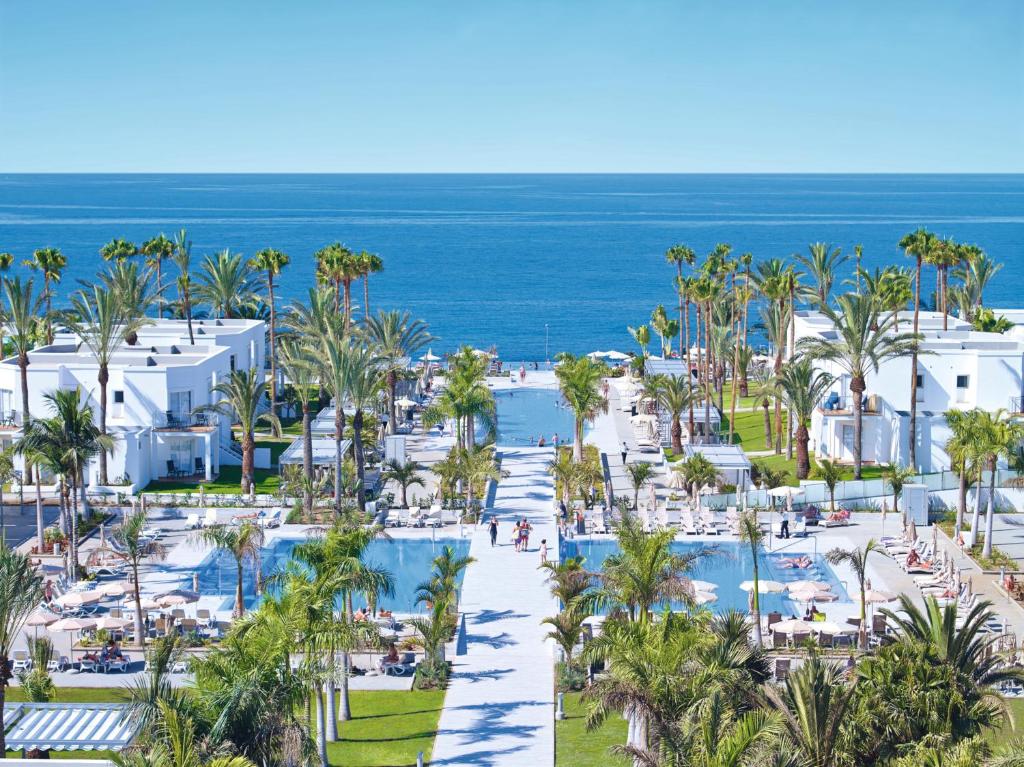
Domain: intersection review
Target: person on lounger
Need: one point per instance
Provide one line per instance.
(796, 563)
(391, 659)
(913, 558)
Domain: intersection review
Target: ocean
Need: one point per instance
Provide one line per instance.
(532, 264)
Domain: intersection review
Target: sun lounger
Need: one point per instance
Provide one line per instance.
(687, 524)
(20, 661)
(840, 518)
(782, 669)
(191, 521)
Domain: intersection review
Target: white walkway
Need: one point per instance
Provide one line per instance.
(499, 709)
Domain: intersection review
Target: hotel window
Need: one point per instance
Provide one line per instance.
(118, 396)
(232, 362)
(963, 382)
(919, 390)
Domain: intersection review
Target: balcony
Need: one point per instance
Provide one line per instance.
(1017, 405)
(834, 404)
(10, 420)
(173, 421)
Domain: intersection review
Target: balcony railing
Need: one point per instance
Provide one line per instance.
(172, 420)
(1017, 405)
(836, 404)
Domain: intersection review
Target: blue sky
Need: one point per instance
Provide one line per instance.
(119, 86)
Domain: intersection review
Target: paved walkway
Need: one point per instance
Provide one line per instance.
(499, 709)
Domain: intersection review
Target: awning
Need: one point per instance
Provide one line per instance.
(324, 451)
(68, 726)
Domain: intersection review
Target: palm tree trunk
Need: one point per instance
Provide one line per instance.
(39, 514)
(321, 729)
(945, 307)
(735, 384)
(392, 380)
(913, 370)
(347, 286)
(803, 461)
(307, 458)
(857, 389)
(248, 462)
(331, 714)
(357, 444)
(767, 425)
(961, 502)
(976, 517)
(707, 371)
(160, 285)
(990, 513)
(689, 369)
(366, 296)
(73, 538)
(104, 378)
(339, 420)
(188, 317)
(756, 604)
(140, 634)
(239, 601)
(273, 343)
(577, 443)
(677, 434)
(789, 356)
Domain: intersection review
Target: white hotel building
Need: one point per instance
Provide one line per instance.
(153, 388)
(957, 368)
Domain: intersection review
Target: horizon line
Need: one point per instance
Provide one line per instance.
(498, 173)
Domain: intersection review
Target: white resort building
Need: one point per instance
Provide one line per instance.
(957, 368)
(154, 387)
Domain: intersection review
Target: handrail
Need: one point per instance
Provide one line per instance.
(771, 535)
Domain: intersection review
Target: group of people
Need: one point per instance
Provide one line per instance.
(110, 652)
(520, 536)
(541, 442)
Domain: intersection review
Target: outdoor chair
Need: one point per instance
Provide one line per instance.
(87, 665)
(58, 664)
(800, 637)
(200, 467)
(20, 661)
(779, 639)
(773, 618)
(826, 640)
(782, 669)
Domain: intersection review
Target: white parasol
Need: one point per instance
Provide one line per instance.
(874, 596)
(109, 622)
(793, 625)
(800, 585)
(812, 595)
(643, 418)
(72, 624)
(177, 597)
(41, 618)
(615, 355)
(764, 586)
(405, 402)
(148, 603)
(112, 589)
(676, 481)
(430, 356)
(828, 627)
(703, 585)
(704, 597)
(78, 598)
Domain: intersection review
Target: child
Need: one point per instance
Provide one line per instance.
(543, 550)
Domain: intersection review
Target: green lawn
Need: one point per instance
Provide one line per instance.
(1006, 734)
(229, 482)
(388, 729)
(576, 747)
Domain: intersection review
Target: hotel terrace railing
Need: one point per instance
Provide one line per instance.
(1017, 405)
(835, 404)
(172, 421)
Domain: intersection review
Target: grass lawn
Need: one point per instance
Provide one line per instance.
(388, 729)
(229, 482)
(575, 747)
(1005, 735)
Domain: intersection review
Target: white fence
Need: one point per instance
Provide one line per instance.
(863, 492)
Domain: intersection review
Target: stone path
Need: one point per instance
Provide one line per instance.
(499, 709)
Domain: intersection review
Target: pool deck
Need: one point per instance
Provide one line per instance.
(499, 709)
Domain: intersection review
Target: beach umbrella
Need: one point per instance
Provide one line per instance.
(617, 356)
(812, 595)
(652, 495)
(828, 627)
(676, 480)
(643, 418)
(875, 596)
(177, 597)
(108, 622)
(405, 402)
(803, 585)
(793, 625)
(481, 353)
(704, 597)
(72, 624)
(49, 568)
(148, 603)
(703, 585)
(78, 598)
(764, 586)
(911, 531)
(41, 618)
(430, 356)
(112, 589)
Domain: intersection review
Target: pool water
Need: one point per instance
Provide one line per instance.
(526, 414)
(729, 565)
(408, 560)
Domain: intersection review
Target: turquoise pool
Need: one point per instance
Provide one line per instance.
(729, 565)
(526, 414)
(408, 560)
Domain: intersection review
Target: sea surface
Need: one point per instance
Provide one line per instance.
(532, 264)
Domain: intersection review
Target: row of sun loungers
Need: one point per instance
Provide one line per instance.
(435, 516)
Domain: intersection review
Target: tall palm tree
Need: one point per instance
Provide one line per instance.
(21, 312)
(98, 317)
(338, 266)
(72, 438)
(182, 258)
(857, 560)
(156, 250)
(766, 389)
(21, 591)
(896, 477)
(405, 474)
(976, 271)
(299, 363)
(822, 262)
(118, 249)
(241, 396)
(6, 261)
(362, 383)
(132, 548)
(370, 263)
(999, 438)
(751, 534)
(772, 281)
(681, 255)
(863, 341)
(272, 262)
(51, 262)
(642, 336)
(803, 388)
(243, 542)
(831, 473)
(920, 245)
(640, 474)
(962, 447)
(225, 283)
(396, 338)
(579, 380)
(134, 290)
(675, 394)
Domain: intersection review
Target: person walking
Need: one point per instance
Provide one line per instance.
(493, 529)
(784, 527)
(625, 452)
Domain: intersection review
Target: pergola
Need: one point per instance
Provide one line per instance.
(68, 726)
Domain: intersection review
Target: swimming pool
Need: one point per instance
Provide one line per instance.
(408, 560)
(728, 566)
(526, 414)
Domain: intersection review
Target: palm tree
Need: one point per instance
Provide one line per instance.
(962, 449)
(134, 291)
(362, 379)
(133, 548)
(300, 367)
(674, 393)
(243, 543)
(976, 271)
(404, 474)
(766, 389)
(242, 394)
(397, 337)
(999, 438)
(563, 469)
(681, 255)
(813, 704)
(225, 283)
(182, 258)
(831, 473)
(659, 321)
(6, 261)
(697, 471)
(99, 319)
(822, 262)
(21, 591)
(338, 266)
(863, 341)
(640, 474)
(642, 336)
(118, 250)
(857, 559)
(579, 380)
(272, 262)
(772, 281)
(920, 245)
(155, 251)
(21, 312)
(897, 476)
(51, 262)
(803, 388)
(751, 534)
(70, 436)
(370, 263)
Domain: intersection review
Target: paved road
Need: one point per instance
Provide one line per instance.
(499, 710)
